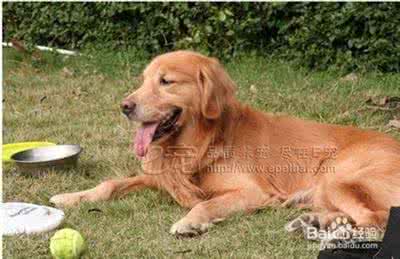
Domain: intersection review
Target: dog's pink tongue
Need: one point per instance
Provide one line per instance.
(143, 138)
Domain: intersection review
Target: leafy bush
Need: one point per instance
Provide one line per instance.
(349, 35)
(317, 35)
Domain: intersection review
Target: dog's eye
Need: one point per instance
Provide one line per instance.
(164, 81)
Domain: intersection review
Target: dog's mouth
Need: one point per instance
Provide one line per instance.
(152, 131)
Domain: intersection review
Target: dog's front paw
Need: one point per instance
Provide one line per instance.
(188, 228)
(66, 199)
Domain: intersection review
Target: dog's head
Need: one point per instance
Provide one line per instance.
(178, 87)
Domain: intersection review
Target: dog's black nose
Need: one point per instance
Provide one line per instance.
(127, 107)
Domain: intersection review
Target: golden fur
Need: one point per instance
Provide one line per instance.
(245, 159)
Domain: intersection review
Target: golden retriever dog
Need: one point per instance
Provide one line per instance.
(217, 156)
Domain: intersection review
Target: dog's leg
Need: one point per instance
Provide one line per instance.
(348, 198)
(364, 185)
(319, 220)
(204, 214)
(301, 199)
(105, 191)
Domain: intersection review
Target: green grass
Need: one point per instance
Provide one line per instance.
(76, 100)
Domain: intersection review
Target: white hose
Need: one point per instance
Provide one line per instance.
(43, 48)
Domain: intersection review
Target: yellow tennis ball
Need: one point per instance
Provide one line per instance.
(67, 244)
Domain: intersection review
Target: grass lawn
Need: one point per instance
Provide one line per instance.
(76, 100)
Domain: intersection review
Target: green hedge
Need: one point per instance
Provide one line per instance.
(348, 36)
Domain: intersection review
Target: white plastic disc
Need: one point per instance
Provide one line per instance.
(25, 218)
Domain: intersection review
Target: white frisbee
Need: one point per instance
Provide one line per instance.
(25, 218)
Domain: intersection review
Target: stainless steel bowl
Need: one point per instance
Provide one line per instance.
(59, 156)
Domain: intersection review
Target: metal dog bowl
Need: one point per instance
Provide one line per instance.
(59, 156)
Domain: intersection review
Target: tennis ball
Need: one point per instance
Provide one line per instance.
(67, 244)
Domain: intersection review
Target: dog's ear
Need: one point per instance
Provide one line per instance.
(216, 88)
